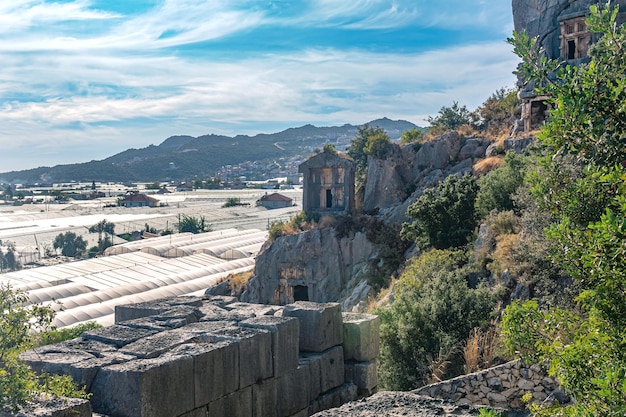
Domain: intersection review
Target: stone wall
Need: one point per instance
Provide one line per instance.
(214, 356)
(499, 387)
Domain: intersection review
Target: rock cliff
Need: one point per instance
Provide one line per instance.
(541, 18)
(323, 264)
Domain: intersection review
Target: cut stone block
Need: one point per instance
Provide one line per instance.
(334, 398)
(215, 369)
(139, 310)
(361, 336)
(326, 368)
(117, 335)
(221, 300)
(285, 339)
(264, 398)
(179, 316)
(363, 374)
(159, 387)
(237, 404)
(158, 344)
(48, 406)
(292, 397)
(255, 352)
(321, 326)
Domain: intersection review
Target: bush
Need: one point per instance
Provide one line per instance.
(444, 217)
(449, 118)
(193, 224)
(298, 223)
(498, 186)
(18, 323)
(432, 314)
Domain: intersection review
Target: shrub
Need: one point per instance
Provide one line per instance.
(433, 312)
(444, 217)
(18, 323)
(498, 186)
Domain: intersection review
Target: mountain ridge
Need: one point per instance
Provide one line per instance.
(184, 157)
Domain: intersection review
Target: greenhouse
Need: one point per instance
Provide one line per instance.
(89, 290)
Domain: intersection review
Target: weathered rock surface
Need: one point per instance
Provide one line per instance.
(405, 404)
(316, 261)
(395, 182)
(541, 18)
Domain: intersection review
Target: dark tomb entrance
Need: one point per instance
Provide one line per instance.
(300, 293)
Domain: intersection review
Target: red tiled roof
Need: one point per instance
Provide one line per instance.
(139, 198)
(275, 197)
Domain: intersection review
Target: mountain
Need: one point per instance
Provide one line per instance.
(188, 157)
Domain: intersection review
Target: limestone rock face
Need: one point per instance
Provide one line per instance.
(541, 18)
(396, 182)
(311, 266)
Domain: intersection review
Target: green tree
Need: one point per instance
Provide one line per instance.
(444, 217)
(356, 150)
(433, 312)
(585, 133)
(193, 224)
(70, 244)
(494, 115)
(415, 135)
(9, 260)
(378, 145)
(103, 227)
(450, 118)
(18, 323)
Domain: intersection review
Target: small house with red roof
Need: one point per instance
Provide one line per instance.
(275, 200)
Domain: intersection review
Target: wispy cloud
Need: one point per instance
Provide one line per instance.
(80, 81)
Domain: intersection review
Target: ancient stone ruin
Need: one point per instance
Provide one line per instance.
(328, 183)
(214, 356)
(560, 28)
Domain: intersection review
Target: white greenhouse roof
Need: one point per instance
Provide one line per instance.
(89, 290)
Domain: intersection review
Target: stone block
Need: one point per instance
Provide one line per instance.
(321, 325)
(159, 387)
(237, 404)
(158, 344)
(334, 398)
(264, 398)
(362, 374)
(327, 369)
(198, 412)
(215, 369)
(117, 335)
(255, 352)
(291, 394)
(139, 310)
(178, 316)
(221, 300)
(256, 309)
(361, 336)
(47, 406)
(285, 340)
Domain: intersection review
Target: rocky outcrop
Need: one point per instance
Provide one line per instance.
(315, 265)
(393, 183)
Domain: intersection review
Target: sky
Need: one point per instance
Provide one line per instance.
(82, 80)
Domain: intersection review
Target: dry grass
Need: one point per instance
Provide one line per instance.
(486, 165)
(503, 255)
(480, 349)
(327, 221)
(239, 282)
(441, 366)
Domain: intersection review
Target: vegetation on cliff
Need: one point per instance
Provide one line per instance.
(551, 246)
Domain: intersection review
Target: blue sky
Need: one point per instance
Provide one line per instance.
(81, 80)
